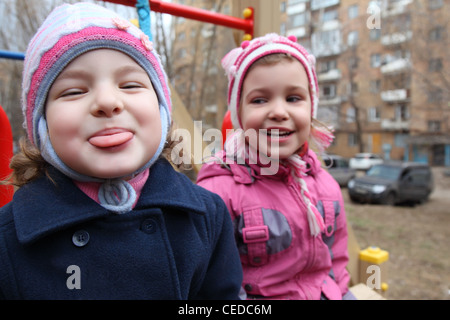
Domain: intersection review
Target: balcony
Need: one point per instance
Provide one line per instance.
(318, 4)
(397, 95)
(396, 66)
(329, 101)
(396, 7)
(394, 124)
(330, 75)
(396, 38)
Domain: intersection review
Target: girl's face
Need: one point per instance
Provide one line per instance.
(103, 115)
(276, 98)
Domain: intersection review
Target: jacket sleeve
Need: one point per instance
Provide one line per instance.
(224, 274)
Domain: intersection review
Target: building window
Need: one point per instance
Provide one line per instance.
(351, 115)
(352, 38)
(298, 20)
(435, 65)
(325, 66)
(375, 86)
(436, 34)
(352, 140)
(374, 114)
(434, 126)
(283, 6)
(375, 34)
(328, 91)
(354, 88)
(435, 4)
(181, 53)
(353, 11)
(353, 62)
(401, 112)
(283, 29)
(329, 15)
(435, 95)
(375, 60)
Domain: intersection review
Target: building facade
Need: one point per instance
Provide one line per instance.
(382, 69)
(382, 74)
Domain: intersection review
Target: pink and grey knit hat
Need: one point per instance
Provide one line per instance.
(68, 32)
(238, 61)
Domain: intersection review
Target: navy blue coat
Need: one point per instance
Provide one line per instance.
(177, 243)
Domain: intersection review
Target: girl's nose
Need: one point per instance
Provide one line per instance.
(278, 111)
(107, 103)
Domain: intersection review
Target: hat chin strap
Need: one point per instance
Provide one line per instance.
(115, 194)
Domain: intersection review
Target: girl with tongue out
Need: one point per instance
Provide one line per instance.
(288, 212)
(100, 213)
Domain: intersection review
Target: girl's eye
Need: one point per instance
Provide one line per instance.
(71, 92)
(293, 99)
(132, 85)
(258, 101)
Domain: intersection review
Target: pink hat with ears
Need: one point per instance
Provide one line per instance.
(238, 61)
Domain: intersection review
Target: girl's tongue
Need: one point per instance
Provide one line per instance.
(111, 140)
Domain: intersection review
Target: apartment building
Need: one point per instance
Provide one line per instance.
(382, 68)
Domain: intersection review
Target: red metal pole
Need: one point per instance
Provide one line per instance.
(6, 153)
(196, 14)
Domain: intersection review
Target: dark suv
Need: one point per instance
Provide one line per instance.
(393, 182)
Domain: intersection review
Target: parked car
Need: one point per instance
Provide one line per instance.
(392, 183)
(339, 168)
(364, 161)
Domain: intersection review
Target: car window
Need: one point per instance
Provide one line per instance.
(418, 178)
(384, 172)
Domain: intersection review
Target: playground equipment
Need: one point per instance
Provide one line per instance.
(6, 153)
(179, 10)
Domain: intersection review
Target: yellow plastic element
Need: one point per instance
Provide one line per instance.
(246, 37)
(135, 22)
(247, 13)
(384, 286)
(374, 255)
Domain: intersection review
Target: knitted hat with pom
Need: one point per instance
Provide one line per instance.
(68, 32)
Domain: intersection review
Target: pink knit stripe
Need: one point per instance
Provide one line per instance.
(60, 27)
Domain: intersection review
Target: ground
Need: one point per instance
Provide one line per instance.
(417, 239)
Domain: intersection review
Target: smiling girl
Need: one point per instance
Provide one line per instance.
(288, 212)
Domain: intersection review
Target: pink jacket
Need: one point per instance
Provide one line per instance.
(280, 258)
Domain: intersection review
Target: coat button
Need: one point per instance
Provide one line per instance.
(329, 229)
(248, 287)
(80, 238)
(148, 226)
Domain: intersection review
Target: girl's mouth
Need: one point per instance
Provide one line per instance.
(277, 133)
(110, 138)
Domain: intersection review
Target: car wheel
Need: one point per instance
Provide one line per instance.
(389, 199)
